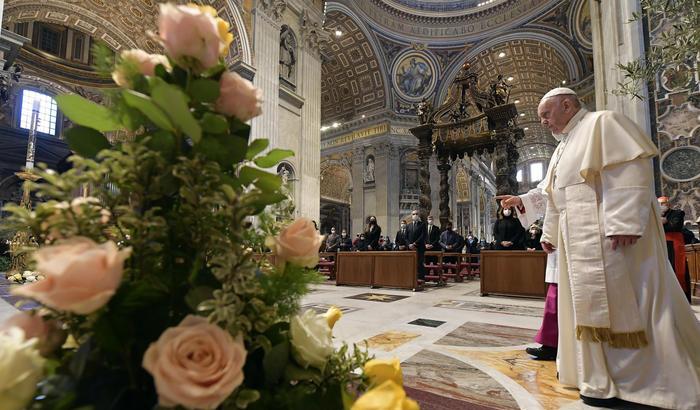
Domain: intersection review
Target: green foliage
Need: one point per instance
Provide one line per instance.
(679, 43)
(4, 263)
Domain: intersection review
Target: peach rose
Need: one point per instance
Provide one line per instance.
(238, 97)
(191, 35)
(196, 364)
(81, 276)
(139, 60)
(298, 243)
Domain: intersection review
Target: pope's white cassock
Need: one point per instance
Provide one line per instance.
(533, 208)
(625, 327)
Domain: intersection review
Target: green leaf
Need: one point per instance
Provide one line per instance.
(273, 157)
(293, 372)
(204, 90)
(214, 123)
(132, 118)
(263, 180)
(275, 362)
(239, 128)
(163, 142)
(161, 72)
(224, 149)
(87, 113)
(214, 72)
(246, 397)
(174, 102)
(86, 141)
(144, 104)
(256, 146)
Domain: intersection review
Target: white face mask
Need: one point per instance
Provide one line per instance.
(506, 212)
(403, 226)
(414, 217)
(333, 232)
(430, 221)
(664, 208)
(470, 237)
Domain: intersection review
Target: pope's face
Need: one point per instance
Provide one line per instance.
(555, 113)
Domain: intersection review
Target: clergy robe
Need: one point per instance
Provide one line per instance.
(625, 327)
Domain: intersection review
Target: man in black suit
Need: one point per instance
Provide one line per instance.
(415, 238)
(400, 241)
(432, 242)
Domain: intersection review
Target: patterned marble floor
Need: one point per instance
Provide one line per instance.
(458, 350)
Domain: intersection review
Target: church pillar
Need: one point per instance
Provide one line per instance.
(444, 169)
(309, 156)
(616, 40)
(357, 209)
(383, 178)
(266, 39)
(393, 190)
(425, 150)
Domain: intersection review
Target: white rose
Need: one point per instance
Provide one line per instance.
(21, 368)
(311, 339)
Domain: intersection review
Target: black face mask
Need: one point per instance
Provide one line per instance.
(372, 222)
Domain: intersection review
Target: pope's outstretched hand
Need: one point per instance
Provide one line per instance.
(509, 200)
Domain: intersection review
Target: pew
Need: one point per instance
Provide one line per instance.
(514, 273)
(377, 268)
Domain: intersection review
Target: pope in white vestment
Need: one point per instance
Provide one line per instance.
(625, 328)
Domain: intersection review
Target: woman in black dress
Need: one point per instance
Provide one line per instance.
(372, 234)
(509, 233)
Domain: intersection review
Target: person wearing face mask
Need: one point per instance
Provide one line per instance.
(362, 243)
(372, 234)
(472, 243)
(532, 240)
(450, 241)
(508, 231)
(432, 242)
(415, 238)
(332, 241)
(400, 243)
(345, 241)
(675, 243)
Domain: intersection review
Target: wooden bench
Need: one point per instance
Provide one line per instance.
(692, 256)
(326, 264)
(377, 268)
(515, 273)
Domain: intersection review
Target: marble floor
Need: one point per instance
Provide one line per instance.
(458, 350)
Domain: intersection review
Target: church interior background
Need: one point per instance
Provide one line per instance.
(341, 83)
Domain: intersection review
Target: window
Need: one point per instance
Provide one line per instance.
(536, 172)
(519, 175)
(78, 42)
(22, 28)
(47, 112)
(50, 40)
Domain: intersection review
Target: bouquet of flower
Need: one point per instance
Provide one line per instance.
(156, 292)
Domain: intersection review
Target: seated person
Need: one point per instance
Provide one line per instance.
(450, 241)
(508, 231)
(362, 243)
(400, 243)
(345, 242)
(532, 241)
(388, 246)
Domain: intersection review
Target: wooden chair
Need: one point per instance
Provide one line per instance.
(326, 264)
(435, 271)
(451, 269)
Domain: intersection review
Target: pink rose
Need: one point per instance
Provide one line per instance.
(81, 276)
(298, 243)
(190, 35)
(196, 364)
(239, 97)
(49, 334)
(138, 60)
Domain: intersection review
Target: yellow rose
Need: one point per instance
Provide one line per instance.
(381, 370)
(387, 396)
(333, 315)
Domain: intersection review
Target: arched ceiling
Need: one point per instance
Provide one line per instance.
(121, 24)
(351, 78)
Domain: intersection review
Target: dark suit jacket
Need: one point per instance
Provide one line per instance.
(674, 220)
(433, 237)
(345, 244)
(415, 234)
(372, 235)
(400, 239)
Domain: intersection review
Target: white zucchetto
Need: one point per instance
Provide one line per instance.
(559, 91)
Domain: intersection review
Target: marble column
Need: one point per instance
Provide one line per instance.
(309, 156)
(393, 190)
(357, 208)
(444, 169)
(381, 179)
(266, 39)
(616, 40)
